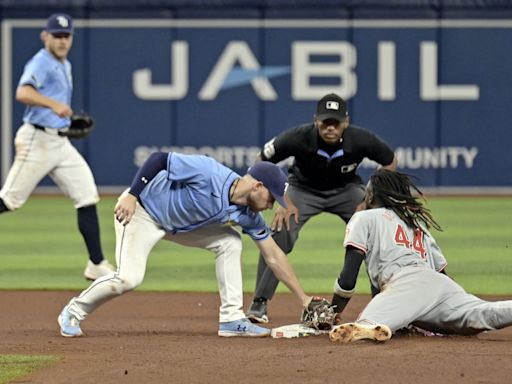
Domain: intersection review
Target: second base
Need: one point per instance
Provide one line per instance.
(294, 330)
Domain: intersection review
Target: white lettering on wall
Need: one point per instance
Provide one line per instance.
(236, 52)
(339, 73)
(304, 69)
(232, 157)
(408, 157)
(386, 68)
(429, 87)
(142, 84)
(432, 158)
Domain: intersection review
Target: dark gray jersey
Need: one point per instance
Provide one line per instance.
(390, 244)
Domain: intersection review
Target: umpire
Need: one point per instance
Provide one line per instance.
(322, 178)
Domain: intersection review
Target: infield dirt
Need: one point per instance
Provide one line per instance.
(172, 338)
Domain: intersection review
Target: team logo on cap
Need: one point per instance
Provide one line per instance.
(63, 21)
(332, 105)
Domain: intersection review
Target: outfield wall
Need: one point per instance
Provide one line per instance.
(433, 78)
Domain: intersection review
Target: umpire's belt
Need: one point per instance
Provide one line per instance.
(51, 131)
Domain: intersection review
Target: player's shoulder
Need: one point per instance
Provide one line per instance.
(357, 138)
(372, 214)
(357, 131)
(299, 130)
(39, 58)
(197, 161)
(301, 135)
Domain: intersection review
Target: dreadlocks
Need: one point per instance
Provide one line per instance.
(393, 190)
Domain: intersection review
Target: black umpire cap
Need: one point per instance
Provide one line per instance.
(331, 106)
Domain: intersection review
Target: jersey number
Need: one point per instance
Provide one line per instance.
(417, 242)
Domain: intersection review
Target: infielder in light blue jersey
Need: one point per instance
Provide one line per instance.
(193, 201)
(45, 87)
(404, 261)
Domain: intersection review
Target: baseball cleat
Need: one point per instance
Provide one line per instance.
(257, 312)
(95, 271)
(242, 328)
(349, 332)
(69, 324)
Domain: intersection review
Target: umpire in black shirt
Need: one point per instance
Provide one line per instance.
(322, 178)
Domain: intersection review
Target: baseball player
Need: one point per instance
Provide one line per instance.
(404, 261)
(193, 201)
(41, 149)
(323, 178)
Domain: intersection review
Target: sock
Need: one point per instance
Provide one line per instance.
(90, 229)
(3, 207)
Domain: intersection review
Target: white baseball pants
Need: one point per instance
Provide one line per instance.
(133, 245)
(38, 154)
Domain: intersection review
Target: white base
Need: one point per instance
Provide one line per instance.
(294, 330)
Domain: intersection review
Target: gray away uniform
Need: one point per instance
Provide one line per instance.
(405, 264)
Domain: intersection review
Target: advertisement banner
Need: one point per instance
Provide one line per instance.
(438, 91)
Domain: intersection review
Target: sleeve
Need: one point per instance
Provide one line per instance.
(155, 163)
(280, 147)
(34, 74)
(377, 149)
(357, 231)
(344, 286)
(255, 226)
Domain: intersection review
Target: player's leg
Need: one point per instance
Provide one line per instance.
(406, 297)
(3, 207)
(344, 201)
(308, 205)
(75, 179)
(465, 314)
(226, 244)
(133, 244)
(31, 163)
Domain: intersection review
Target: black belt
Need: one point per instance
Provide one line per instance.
(37, 126)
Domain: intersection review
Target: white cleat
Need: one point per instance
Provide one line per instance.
(350, 332)
(69, 324)
(95, 271)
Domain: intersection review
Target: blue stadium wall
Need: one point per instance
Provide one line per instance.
(433, 78)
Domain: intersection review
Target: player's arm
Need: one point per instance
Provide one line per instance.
(344, 285)
(379, 151)
(278, 262)
(125, 207)
(276, 150)
(28, 95)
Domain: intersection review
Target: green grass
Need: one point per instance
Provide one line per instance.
(42, 249)
(14, 366)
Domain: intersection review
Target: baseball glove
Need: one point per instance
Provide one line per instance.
(80, 127)
(319, 314)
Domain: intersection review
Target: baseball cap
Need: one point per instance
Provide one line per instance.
(331, 106)
(59, 23)
(272, 177)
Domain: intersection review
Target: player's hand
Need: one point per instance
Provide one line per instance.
(61, 109)
(282, 217)
(125, 208)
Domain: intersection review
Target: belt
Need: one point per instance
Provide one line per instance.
(51, 131)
